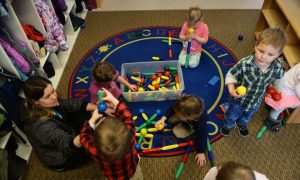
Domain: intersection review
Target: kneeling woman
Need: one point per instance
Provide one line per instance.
(52, 125)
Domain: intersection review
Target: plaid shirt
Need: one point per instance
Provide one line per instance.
(121, 169)
(246, 73)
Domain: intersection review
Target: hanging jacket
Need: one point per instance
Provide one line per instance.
(16, 57)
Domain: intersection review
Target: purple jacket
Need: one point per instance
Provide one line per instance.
(16, 57)
(61, 4)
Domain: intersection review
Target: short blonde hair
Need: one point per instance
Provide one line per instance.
(194, 15)
(273, 36)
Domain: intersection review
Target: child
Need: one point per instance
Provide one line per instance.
(233, 171)
(256, 72)
(289, 87)
(189, 114)
(197, 38)
(111, 141)
(104, 76)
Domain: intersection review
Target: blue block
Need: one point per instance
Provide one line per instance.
(214, 80)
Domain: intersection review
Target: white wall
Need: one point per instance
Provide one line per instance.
(124, 5)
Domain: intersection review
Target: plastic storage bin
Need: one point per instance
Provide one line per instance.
(150, 67)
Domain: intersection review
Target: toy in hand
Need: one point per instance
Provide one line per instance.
(188, 49)
(276, 96)
(241, 90)
(101, 105)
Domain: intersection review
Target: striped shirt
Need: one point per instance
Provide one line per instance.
(246, 73)
(121, 169)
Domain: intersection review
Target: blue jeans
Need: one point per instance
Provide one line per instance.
(237, 115)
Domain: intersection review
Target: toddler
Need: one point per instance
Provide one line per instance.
(104, 76)
(198, 37)
(189, 116)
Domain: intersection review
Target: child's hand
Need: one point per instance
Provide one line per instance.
(110, 109)
(110, 98)
(161, 121)
(132, 87)
(200, 158)
(191, 36)
(233, 93)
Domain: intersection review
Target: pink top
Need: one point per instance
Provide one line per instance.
(201, 31)
(110, 86)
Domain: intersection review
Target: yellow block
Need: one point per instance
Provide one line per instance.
(173, 146)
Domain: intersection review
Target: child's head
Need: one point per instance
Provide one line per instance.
(235, 171)
(269, 46)
(188, 107)
(112, 139)
(103, 72)
(274, 37)
(194, 16)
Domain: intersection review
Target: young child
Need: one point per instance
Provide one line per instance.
(198, 37)
(188, 113)
(233, 171)
(104, 76)
(111, 141)
(289, 87)
(256, 72)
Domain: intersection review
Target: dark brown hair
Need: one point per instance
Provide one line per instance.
(34, 90)
(112, 139)
(188, 107)
(235, 171)
(103, 72)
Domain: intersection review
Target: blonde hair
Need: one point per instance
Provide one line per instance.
(188, 107)
(273, 36)
(112, 139)
(235, 171)
(194, 15)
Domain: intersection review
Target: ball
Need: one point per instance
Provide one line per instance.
(101, 107)
(241, 37)
(143, 131)
(160, 127)
(140, 89)
(241, 90)
(191, 30)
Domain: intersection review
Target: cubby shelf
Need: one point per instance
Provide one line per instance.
(285, 14)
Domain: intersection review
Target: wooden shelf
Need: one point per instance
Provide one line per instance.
(285, 14)
(275, 18)
(292, 54)
(290, 9)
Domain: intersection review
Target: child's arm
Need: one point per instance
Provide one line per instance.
(201, 139)
(121, 80)
(169, 112)
(86, 137)
(121, 110)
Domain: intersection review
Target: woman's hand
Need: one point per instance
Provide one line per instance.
(95, 117)
(200, 159)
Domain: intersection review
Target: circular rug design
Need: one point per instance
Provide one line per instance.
(140, 45)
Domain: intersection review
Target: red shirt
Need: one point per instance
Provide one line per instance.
(121, 169)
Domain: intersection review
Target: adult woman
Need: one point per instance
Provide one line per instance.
(52, 124)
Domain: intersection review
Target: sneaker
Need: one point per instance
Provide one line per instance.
(244, 131)
(225, 131)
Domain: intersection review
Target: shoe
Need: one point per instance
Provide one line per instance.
(274, 126)
(243, 131)
(225, 131)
